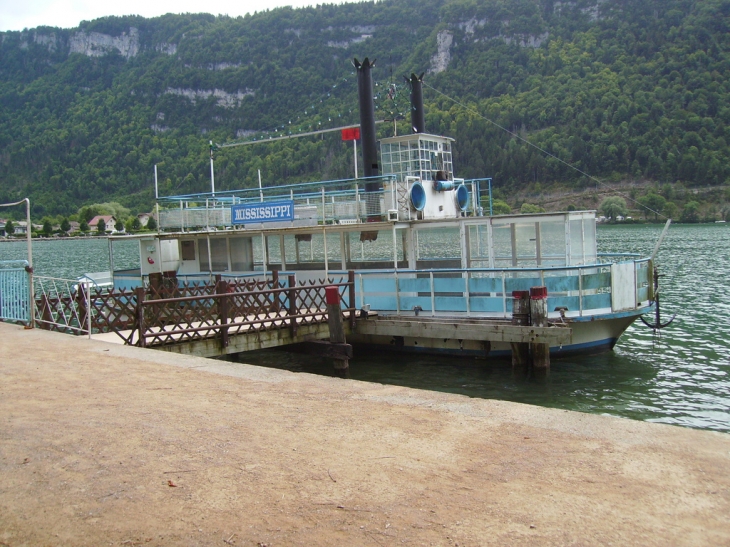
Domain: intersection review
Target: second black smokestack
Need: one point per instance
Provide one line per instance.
(418, 121)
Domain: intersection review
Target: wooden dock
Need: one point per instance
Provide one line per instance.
(227, 317)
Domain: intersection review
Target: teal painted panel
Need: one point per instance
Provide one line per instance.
(596, 281)
(414, 285)
(485, 284)
(453, 284)
(562, 284)
(487, 304)
(450, 303)
(643, 294)
(378, 284)
(522, 283)
(596, 301)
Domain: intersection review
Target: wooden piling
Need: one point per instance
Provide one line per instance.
(139, 293)
(336, 327)
(520, 317)
(538, 314)
(221, 288)
(293, 309)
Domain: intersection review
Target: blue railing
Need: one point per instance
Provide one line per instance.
(15, 291)
(581, 290)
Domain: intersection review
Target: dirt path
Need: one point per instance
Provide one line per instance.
(108, 445)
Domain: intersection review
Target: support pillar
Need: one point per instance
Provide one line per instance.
(520, 317)
(538, 314)
(337, 327)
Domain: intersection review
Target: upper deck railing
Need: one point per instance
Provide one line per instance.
(324, 202)
(315, 203)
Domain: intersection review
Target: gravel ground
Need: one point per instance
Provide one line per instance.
(102, 444)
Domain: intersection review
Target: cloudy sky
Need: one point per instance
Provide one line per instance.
(20, 14)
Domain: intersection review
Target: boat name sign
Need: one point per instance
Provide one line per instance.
(263, 212)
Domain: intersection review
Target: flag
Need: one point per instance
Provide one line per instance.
(351, 134)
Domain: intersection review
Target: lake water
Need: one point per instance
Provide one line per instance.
(678, 376)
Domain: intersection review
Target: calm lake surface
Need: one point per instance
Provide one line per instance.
(679, 376)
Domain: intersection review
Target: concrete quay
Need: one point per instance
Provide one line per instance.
(102, 444)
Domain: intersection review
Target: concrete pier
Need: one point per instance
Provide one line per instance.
(104, 444)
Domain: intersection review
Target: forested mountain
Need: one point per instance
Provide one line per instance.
(622, 89)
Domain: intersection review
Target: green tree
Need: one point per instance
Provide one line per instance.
(65, 225)
(136, 224)
(499, 207)
(614, 207)
(653, 204)
(47, 228)
(670, 210)
(83, 226)
(691, 212)
(152, 224)
(529, 208)
(101, 226)
(9, 228)
(119, 225)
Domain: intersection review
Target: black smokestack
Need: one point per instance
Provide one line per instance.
(367, 135)
(418, 121)
(367, 117)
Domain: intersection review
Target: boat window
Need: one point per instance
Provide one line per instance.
(479, 246)
(502, 237)
(552, 243)
(364, 247)
(525, 245)
(273, 249)
(241, 254)
(218, 255)
(438, 243)
(577, 253)
(590, 246)
(188, 249)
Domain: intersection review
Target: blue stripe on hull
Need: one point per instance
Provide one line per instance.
(590, 348)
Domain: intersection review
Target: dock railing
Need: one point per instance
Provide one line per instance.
(63, 305)
(172, 312)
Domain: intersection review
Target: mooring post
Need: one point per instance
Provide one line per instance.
(275, 285)
(139, 293)
(336, 326)
(538, 313)
(293, 310)
(520, 317)
(351, 296)
(221, 287)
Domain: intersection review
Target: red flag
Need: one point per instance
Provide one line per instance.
(351, 134)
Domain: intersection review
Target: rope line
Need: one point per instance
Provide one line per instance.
(515, 135)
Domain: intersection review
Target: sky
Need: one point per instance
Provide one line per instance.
(20, 14)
